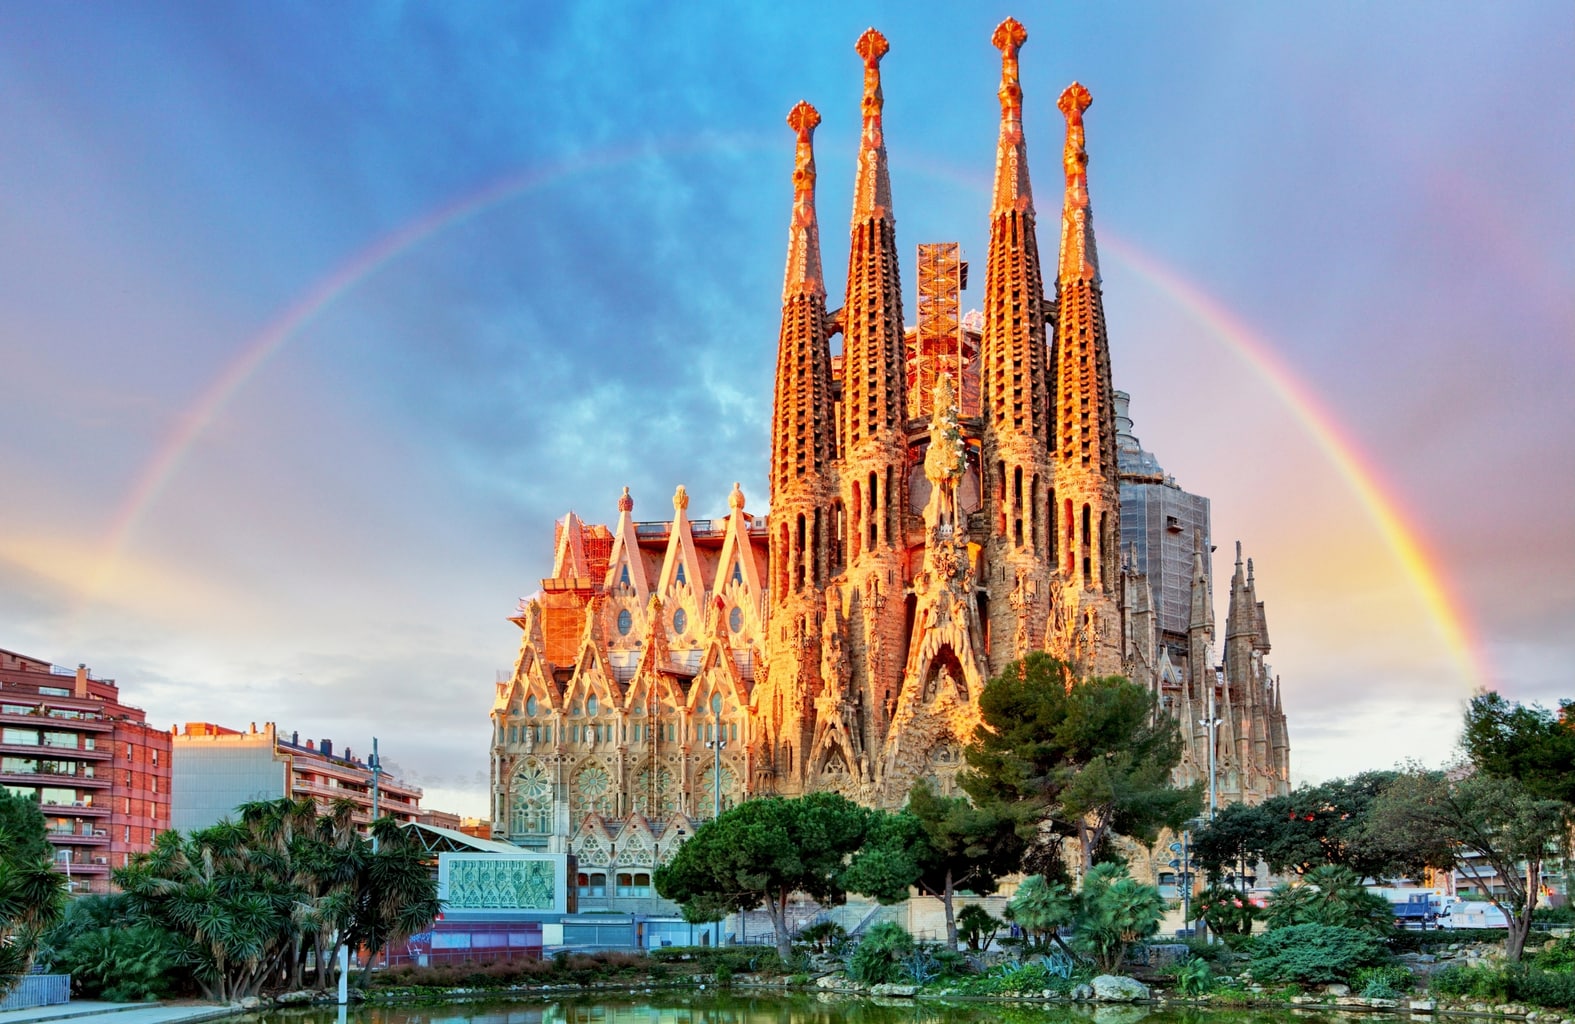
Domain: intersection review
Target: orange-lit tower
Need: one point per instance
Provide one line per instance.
(802, 487)
(874, 411)
(1014, 405)
(1087, 490)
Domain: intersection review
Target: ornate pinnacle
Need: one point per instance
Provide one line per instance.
(1012, 191)
(803, 267)
(1074, 100)
(1009, 37)
(872, 181)
(735, 500)
(680, 499)
(626, 503)
(1079, 257)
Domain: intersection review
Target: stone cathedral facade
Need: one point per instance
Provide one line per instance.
(916, 544)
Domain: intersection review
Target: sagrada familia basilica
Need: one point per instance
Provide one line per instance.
(944, 500)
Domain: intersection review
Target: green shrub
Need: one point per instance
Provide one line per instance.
(1315, 953)
(1227, 912)
(1382, 982)
(1520, 983)
(1559, 957)
(1192, 977)
(825, 936)
(1554, 915)
(1329, 895)
(880, 956)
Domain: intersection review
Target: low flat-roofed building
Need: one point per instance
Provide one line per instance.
(217, 769)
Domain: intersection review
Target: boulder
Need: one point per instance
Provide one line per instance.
(1082, 993)
(1114, 988)
(1423, 1006)
(1337, 990)
(904, 991)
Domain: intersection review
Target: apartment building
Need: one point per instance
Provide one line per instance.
(98, 771)
(217, 769)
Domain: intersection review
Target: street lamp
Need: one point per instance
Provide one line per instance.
(376, 767)
(716, 774)
(1212, 724)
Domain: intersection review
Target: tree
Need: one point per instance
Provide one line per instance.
(1228, 912)
(1330, 894)
(32, 892)
(1114, 911)
(1233, 842)
(395, 895)
(1041, 907)
(1081, 760)
(978, 927)
(940, 844)
(1527, 743)
(763, 851)
(1488, 828)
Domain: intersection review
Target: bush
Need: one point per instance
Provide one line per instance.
(1315, 953)
(1192, 977)
(1329, 895)
(1227, 912)
(880, 956)
(107, 959)
(825, 936)
(1521, 983)
(1382, 982)
(1559, 957)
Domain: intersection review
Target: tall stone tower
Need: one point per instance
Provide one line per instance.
(802, 485)
(874, 421)
(1087, 492)
(1014, 405)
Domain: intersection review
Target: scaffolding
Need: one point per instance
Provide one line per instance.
(938, 345)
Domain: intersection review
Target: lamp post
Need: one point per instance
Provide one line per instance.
(376, 767)
(716, 745)
(1212, 724)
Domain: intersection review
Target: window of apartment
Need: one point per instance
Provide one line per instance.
(155, 781)
(87, 743)
(63, 740)
(126, 834)
(19, 737)
(127, 809)
(53, 691)
(128, 751)
(19, 765)
(16, 709)
(636, 883)
(128, 776)
(155, 755)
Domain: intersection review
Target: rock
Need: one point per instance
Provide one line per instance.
(905, 991)
(1082, 993)
(1114, 988)
(250, 1003)
(1337, 990)
(1423, 1006)
(291, 998)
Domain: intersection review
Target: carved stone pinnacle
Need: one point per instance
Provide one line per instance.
(1074, 100)
(1009, 36)
(626, 503)
(872, 46)
(803, 119)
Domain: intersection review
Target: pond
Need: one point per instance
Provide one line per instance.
(690, 1007)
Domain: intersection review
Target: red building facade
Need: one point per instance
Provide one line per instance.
(99, 772)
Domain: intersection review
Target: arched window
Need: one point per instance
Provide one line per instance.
(530, 705)
(625, 622)
(530, 805)
(591, 705)
(680, 622)
(735, 619)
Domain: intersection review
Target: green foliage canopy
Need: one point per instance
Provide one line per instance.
(32, 892)
(1082, 759)
(763, 851)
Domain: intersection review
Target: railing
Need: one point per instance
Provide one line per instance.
(38, 990)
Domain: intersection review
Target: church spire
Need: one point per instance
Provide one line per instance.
(1013, 397)
(1085, 422)
(803, 438)
(874, 478)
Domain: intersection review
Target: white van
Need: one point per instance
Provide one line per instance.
(1472, 914)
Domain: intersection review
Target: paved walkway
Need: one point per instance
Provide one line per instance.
(87, 1011)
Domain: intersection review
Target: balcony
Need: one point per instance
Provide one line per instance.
(75, 809)
(80, 837)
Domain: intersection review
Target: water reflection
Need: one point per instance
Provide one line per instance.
(687, 1007)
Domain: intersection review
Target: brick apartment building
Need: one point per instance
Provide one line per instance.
(99, 772)
(218, 769)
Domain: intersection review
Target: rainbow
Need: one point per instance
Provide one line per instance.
(1248, 344)
(195, 421)
(1344, 454)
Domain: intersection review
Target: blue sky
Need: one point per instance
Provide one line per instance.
(1381, 192)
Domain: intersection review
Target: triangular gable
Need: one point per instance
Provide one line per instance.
(718, 672)
(682, 565)
(626, 566)
(569, 561)
(737, 564)
(677, 829)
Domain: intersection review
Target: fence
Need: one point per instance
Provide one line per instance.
(38, 990)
